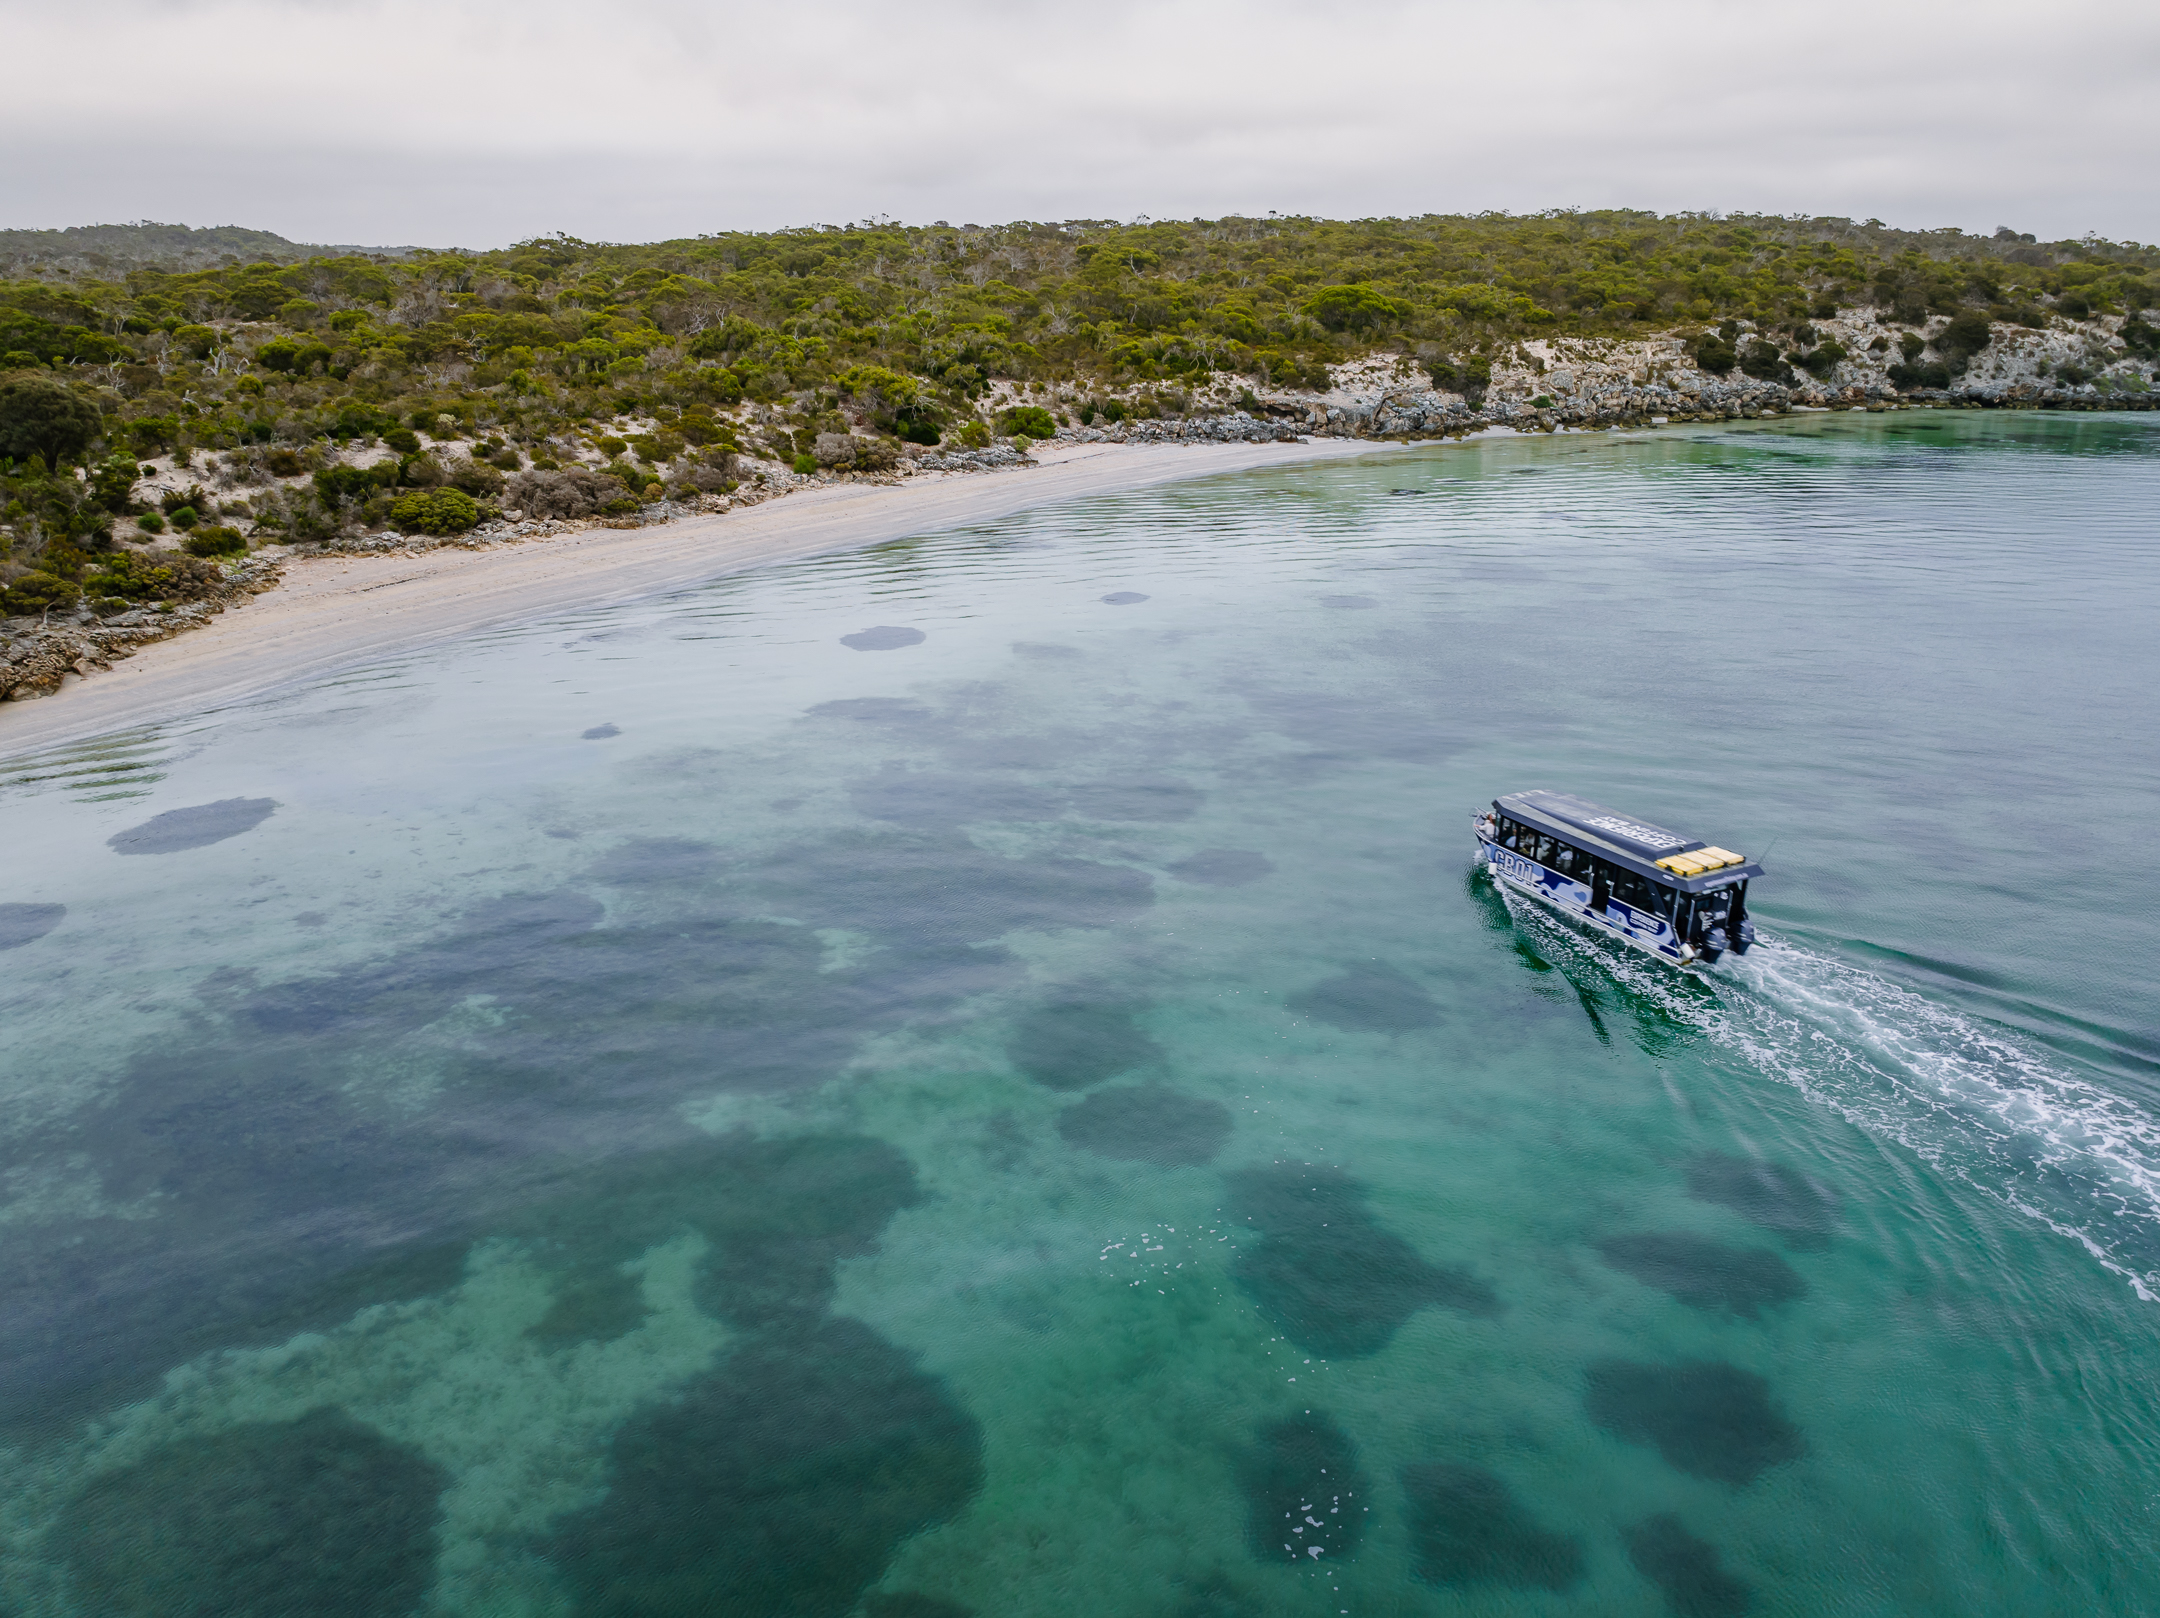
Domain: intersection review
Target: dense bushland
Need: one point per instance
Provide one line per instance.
(466, 367)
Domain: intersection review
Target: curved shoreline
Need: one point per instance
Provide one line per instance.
(331, 612)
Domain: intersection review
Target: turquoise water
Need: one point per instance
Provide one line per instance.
(695, 1107)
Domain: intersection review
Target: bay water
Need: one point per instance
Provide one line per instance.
(979, 1076)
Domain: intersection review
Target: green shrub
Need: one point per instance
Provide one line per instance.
(215, 542)
(476, 478)
(284, 463)
(2140, 338)
(41, 415)
(805, 464)
(36, 593)
(183, 517)
(1469, 377)
(279, 354)
(1716, 355)
(435, 511)
(1028, 421)
(1763, 362)
(1912, 346)
(150, 523)
(356, 483)
(1909, 376)
(1966, 335)
(402, 439)
(1824, 360)
(1355, 308)
(112, 483)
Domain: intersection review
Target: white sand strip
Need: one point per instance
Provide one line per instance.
(332, 612)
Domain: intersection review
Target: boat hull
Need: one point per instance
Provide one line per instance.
(1643, 930)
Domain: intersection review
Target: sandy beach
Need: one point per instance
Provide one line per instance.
(331, 612)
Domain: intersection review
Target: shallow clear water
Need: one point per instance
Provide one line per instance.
(673, 1110)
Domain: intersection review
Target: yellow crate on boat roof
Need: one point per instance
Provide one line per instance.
(1698, 860)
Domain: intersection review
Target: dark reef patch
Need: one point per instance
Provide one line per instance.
(779, 1485)
(197, 826)
(1123, 598)
(1707, 1418)
(883, 638)
(920, 798)
(1216, 1595)
(1076, 1043)
(26, 924)
(645, 861)
(1467, 1527)
(600, 733)
(1705, 1274)
(908, 1604)
(1135, 798)
(778, 1214)
(1303, 1491)
(1326, 1272)
(595, 1307)
(1373, 998)
(1147, 1124)
(932, 887)
(1222, 867)
(1802, 1211)
(1687, 1569)
(319, 1516)
(290, 1196)
(886, 713)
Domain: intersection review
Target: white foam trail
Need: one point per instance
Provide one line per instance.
(1973, 1100)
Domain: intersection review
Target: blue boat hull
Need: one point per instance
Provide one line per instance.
(1639, 929)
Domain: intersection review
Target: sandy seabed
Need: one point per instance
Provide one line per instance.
(331, 612)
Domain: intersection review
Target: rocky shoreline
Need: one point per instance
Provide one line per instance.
(36, 654)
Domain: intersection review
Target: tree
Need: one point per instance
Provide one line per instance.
(41, 415)
(1355, 308)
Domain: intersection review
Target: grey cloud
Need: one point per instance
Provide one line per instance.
(477, 123)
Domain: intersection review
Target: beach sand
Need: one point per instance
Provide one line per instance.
(332, 612)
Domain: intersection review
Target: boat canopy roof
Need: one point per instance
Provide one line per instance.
(1664, 856)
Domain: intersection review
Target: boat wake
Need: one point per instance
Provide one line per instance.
(1972, 1099)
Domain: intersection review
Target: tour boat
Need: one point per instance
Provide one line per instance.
(1670, 896)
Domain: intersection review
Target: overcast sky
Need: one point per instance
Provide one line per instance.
(480, 122)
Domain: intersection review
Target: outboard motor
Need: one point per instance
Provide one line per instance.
(1743, 930)
(1712, 944)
